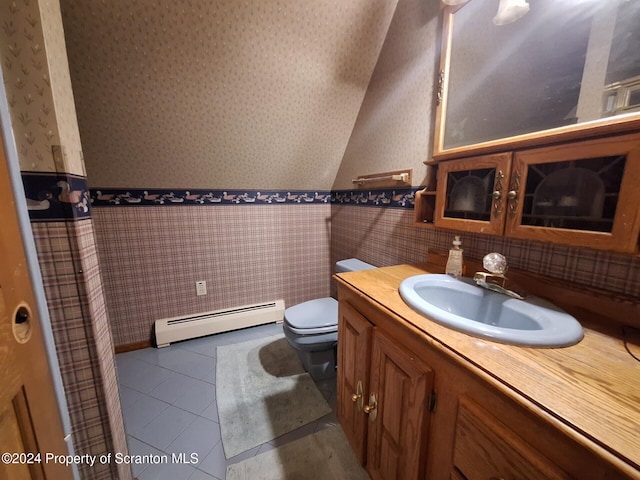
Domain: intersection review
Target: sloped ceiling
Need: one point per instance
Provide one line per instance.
(224, 94)
(394, 129)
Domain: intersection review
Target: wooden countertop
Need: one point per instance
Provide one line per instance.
(592, 387)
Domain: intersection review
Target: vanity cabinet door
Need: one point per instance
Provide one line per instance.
(354, 343)
(399, 412)
(485, 449)
(581, 194)
(472, 193)
(383, 399)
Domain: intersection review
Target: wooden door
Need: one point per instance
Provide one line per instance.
(30, 422)
(472, 193)
(354, 344)
(581, 194)
(398, 426)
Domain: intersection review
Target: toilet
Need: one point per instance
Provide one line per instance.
(311, 328)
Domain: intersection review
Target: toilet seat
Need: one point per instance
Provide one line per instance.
(314, 317)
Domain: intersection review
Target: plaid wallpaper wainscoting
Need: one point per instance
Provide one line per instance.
(152, 253)
(151, 257)
(387, 236)
(70, 274)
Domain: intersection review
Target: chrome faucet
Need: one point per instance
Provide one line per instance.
(496, 280)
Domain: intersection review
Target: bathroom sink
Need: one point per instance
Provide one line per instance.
(462, 305)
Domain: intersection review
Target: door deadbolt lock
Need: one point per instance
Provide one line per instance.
(22, 323)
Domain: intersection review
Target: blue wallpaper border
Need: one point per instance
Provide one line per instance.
(111, 197)
(136, 197)
(65, 197)
(55, 197)
(389, 198)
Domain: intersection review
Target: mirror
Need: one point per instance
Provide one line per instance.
(564, 68)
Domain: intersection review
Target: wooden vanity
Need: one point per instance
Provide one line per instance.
(418, 400)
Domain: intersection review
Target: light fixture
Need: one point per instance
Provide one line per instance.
(510, 11)
(454, 2)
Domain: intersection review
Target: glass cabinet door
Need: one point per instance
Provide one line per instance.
(472, 193)
(581, 194)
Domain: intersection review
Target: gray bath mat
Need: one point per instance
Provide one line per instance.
(263, 392)
(324, 455)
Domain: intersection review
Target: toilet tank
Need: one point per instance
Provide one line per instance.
(352, 265)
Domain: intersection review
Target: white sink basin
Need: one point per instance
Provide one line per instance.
(462, 305)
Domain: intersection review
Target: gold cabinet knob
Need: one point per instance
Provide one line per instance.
(371, 409)
(358, 396)
(496, 194)
(513, 203)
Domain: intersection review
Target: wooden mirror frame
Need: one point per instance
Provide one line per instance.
(624, 123)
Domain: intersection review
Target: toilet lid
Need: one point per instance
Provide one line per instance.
(312, 317)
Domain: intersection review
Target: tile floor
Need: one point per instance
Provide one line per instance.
(169, 405)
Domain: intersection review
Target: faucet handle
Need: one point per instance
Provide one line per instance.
(495, 263)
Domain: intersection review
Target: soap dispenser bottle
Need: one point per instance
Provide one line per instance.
(454, 262)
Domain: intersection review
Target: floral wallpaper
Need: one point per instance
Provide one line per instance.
(26, 75)
(224, 94)
(36, 76)
(71, 149)
(394, 128)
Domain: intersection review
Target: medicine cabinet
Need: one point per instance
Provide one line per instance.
(579, 193)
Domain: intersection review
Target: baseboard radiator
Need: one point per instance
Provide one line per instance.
(168, 330)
